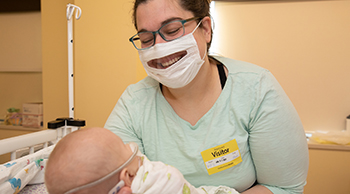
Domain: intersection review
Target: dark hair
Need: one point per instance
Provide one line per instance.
(199, 8)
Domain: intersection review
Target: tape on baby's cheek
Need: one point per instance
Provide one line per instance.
(117, 188)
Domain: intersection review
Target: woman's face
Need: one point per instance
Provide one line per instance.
(150, 16)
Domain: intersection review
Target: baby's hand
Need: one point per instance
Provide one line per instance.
(125, 190)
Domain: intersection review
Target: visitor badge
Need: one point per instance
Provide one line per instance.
(221, 157)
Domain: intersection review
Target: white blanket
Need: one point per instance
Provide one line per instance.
(157, 177)
(30, 169)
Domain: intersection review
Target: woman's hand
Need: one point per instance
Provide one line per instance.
(125, 190)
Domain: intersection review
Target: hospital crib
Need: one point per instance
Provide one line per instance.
(24, 173)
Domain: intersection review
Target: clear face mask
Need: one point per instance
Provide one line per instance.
(120, 184)
(181, 72)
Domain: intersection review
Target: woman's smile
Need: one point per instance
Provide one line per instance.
(165, 62)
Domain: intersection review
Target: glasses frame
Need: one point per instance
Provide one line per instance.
(131, 39)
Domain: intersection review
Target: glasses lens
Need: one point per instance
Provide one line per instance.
(169, 31)
(172, 30)
(143, 40)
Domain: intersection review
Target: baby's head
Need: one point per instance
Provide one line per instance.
(85, 156)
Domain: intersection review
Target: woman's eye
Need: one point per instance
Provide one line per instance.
(172, 31)
(147, 41)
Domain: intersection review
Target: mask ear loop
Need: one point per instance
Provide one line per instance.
(136, 149)
(199, 23)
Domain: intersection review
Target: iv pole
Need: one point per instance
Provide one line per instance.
(62, 125)
(69, 14)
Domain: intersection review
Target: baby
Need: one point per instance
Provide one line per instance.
(88, 155)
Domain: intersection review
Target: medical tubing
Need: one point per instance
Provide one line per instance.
(107, 176)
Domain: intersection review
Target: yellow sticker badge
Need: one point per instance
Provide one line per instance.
(221, 157)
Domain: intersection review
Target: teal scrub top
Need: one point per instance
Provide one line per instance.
(252, 110)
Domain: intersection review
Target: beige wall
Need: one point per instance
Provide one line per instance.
(305, 44)
(17, 88)
(54, 59)
(20, 41)
(105, 63)
(20, 60)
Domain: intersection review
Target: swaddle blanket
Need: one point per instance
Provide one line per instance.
(30, 169)
(157, 177)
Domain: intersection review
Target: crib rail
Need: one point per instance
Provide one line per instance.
(57, 130)
(10, 145)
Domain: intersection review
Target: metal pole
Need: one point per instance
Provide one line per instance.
(70, 11)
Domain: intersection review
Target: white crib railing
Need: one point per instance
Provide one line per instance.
(11, 145)
(57, 130)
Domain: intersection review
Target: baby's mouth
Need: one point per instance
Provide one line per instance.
(167, 61)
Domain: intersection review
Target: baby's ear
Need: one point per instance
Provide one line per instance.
(125, 176)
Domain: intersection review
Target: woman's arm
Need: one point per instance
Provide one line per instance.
(257, 189)
(277, 140)
(120, 120)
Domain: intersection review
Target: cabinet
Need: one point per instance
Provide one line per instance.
(329, 170)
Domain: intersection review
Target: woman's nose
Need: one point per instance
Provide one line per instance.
(159, 39)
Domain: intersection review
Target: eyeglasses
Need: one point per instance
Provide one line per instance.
(169, 31)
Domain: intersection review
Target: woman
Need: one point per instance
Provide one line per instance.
(218, 120)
